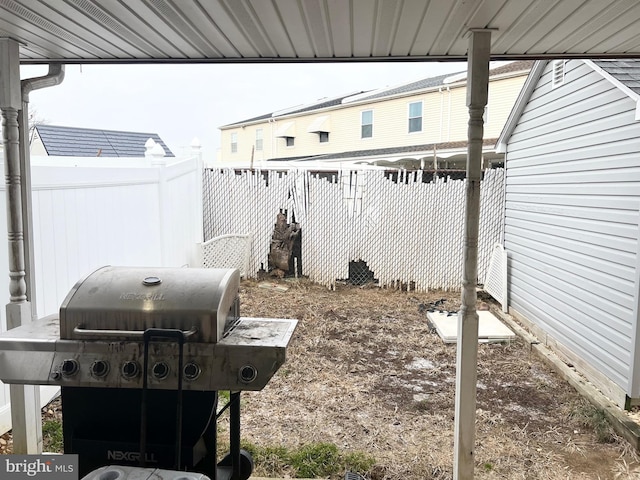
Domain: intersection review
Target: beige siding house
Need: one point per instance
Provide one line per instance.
(406, 125)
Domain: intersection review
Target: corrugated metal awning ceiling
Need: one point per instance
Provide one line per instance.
(85, 31)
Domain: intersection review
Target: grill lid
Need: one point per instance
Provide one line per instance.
(121, 302)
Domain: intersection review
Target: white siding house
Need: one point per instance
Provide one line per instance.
(572, 221)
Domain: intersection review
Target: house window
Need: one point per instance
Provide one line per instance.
(324, 137)
(258, 139)
(234, 143)
(366, 124)
(558, 73)
(289, 141)
(415, 117)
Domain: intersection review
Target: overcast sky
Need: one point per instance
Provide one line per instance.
(180, 102)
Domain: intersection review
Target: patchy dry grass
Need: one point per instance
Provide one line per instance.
(366, 373)
(368, 385)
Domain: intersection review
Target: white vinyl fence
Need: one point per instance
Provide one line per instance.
(91, 212)
(408, 226)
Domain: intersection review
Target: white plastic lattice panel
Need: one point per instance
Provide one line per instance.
(496, 281)
(227, 251)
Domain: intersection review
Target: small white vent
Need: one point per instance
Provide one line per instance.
(558, 73)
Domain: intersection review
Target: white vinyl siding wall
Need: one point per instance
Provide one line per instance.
(571, 217)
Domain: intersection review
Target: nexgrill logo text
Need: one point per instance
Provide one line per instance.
(120, 456)
(37, 467)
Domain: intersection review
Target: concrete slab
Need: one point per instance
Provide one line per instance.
(490, 328)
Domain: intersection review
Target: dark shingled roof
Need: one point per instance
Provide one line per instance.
(306, 108)
(512, 67)
(428, 147)
(324, 104)
(88, 142)
(626, 72)
(410, 87)
(439, 80)
(375, 94)
(252, 119)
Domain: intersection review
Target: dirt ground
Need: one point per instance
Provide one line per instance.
(366, 372)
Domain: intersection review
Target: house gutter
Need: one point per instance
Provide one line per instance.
(51, 79)
(54, 77)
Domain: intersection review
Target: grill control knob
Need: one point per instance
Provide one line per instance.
(69, 367)
(248, 374)
(130, 369)
(191, 371)
(99, 369)
(160, 370)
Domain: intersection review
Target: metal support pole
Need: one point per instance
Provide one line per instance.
(467, 349)
(25, 399)
(234, 435)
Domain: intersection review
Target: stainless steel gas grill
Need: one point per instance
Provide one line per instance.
(140, 354)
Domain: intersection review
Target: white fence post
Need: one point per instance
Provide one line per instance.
(196, 151)
(156, 154)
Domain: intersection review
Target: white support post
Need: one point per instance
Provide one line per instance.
(25, 399)
(467, 350)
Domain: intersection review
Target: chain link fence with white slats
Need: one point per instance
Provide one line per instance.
(400, 229)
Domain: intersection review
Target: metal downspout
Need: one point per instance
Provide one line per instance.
(272, 139)
(54, 77)
(448, 113)
(441, 114)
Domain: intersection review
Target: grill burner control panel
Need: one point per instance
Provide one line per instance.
(248, 355)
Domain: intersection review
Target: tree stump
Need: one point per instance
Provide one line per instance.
(282, 245)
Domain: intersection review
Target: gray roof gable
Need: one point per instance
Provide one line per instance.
(88, 142)
(626, 71)
(623, 73)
